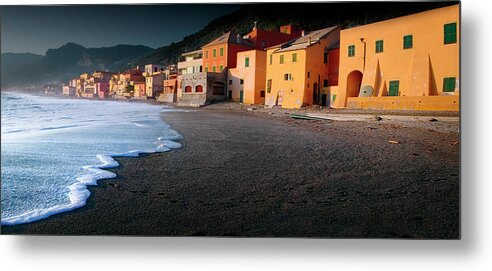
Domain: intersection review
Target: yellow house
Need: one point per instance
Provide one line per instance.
(297, 70)
(407, 63)
(246, 82)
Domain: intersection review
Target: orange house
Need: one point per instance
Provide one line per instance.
(222, 52)
(406, 63)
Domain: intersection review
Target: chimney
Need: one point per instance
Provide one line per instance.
(302, 33)
(309, 40)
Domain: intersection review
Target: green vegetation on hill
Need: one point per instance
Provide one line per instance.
(71, 59)
(309, 16)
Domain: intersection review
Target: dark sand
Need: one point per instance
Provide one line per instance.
(247, 174)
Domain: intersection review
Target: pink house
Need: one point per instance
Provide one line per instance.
(102, 89)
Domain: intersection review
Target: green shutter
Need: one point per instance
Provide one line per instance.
(407, 42)
(449, 84)
(450, 33)
(281, 59)
(271, 59)
(214, 69)
(221, 51)
(394, 87)
(294, 57)
(221, 68)
(214, 54)
(246, 62)
(351, 50)
(379, 46)
(334, 97)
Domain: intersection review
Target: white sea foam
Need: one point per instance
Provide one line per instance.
(47, 141)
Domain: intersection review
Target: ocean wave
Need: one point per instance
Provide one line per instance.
(43, 152)
(78, 191)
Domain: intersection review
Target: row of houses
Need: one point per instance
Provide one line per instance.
(406, 63)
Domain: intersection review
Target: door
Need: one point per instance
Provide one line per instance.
(323, 99)
(241, 96)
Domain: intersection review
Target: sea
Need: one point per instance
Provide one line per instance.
(53, 148)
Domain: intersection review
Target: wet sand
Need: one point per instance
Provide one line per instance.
(256, 175)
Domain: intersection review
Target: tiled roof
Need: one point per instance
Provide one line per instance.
(230, 37)
(303, 42)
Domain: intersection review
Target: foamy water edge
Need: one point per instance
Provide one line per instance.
(79, 192)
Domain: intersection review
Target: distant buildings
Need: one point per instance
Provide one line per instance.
(70, 88)
(411, 62)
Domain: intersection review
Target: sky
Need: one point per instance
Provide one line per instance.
(35, 29)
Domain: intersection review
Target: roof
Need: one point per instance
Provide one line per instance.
(230, 37)
(303, 42)
(192, 53)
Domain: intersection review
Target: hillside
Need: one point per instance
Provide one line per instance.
(309, 16)
(72, 59)
(66, 62)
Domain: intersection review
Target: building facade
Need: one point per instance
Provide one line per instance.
(246, 82)
(70, 88)
(297, 72)
(202, 88)
(407, 63)
(221, 53)
(154, 76)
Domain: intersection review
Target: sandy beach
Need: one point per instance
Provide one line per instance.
(255, 174)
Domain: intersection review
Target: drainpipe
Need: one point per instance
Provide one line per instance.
(364, 65)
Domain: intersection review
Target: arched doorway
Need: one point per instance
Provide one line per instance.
(354, 79)
(199, 88)
(315, 93)
(187, 89)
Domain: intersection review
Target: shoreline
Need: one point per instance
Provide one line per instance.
(230, 173)
(77, 192)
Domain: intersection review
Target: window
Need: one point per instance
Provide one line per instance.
(214, 69)
(450, 33)
(407, 42)
(281, 59)
(221, 68)
(230, 82)
(379, 46)
(351, 50)
(262, 94)
(206, 69)
(288, 77)
(309, 74)
(325, 57)
(241, 81)
(271, 59)
(199, 88)
(246, 62)
(188, 89)
(269, 85)
(294, 57)
(206, 54)
(333, 97)
(221, 52)
(394, 88)
(214, 53)
(449, 84)
(325, 83)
